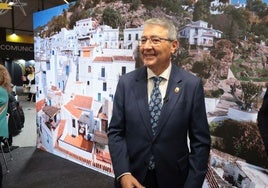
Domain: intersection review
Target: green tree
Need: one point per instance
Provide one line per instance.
(241, 139)
(180, 56)
(259, 8)
(78, 15)
(135, 4)
(205, 68)
(112, 18)
(249, 4)
(250, 93)
(172, 6)
(60, 22)
(238, 22)
(201, 10)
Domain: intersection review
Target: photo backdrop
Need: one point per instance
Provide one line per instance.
(78, 62)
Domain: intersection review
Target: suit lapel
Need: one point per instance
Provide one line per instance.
(140, 91)
(172, 96)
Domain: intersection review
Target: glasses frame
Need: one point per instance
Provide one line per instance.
(150, 39)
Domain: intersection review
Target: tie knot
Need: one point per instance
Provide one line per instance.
(157, 80)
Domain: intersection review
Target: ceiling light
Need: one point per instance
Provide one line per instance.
(11, 3)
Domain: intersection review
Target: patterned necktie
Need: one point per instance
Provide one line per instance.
(155, 103)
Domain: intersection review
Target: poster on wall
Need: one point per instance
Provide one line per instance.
(82, 48)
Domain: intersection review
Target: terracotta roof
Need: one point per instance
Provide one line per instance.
(83, 102)
(61, 127)
(39, 104)
(79, 142)
(50, 110)
(113, 58)
(123, 58)
(74, 111)
(103, 59)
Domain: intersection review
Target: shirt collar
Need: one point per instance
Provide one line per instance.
(164, 74)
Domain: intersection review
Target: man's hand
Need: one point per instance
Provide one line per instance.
(129, 181)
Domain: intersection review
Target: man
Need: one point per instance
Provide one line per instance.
(263, 120)
(145, 155)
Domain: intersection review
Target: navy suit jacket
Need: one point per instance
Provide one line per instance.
(131, 141)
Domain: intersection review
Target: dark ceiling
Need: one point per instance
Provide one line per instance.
(24, 24)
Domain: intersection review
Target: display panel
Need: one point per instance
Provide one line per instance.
(78, 63)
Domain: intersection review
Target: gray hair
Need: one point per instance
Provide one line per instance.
(168, 24)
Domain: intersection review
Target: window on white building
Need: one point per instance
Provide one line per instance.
(137, 36)
(73, 123)
(104, 86)
(123, 70)
(103, 72)
(99, 96)
(48, 65)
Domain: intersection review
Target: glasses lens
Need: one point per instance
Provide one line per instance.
(156, 40)
(143, 40)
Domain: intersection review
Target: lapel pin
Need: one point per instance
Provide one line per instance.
(177, 89)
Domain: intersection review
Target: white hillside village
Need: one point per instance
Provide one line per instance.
(76, 75)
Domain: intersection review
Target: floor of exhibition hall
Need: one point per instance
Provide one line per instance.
(34, 168)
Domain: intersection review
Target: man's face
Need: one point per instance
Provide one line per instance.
(155, 48)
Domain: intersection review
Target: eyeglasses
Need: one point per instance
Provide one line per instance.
(155, 40)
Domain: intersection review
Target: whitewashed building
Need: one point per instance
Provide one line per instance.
(131, 37)
(216, 6)
(198, 34)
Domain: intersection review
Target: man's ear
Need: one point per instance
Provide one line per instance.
(174, 46)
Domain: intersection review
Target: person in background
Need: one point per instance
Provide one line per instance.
(262, 120)
(8, 144)
(5, 89)
(24, 77)
(174, 151)
(31, 81)
(33, 86)
(26, 81)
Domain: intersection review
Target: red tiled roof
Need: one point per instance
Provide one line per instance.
(123, 58)
(82, 101)
(54, 88)
(50, 110)
(39, 104)
(74, 111)
(79, 142)
(103, 59)
(61, 128)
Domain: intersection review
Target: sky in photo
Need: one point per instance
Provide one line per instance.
(244, 1)
(43, 17)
